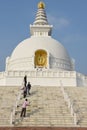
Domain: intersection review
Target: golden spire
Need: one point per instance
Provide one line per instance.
(41, 5)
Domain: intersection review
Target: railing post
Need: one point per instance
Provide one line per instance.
(14, 108)
(67, 99)
(75, 119)
(11, 118)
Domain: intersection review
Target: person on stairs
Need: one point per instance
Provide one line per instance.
(28, 88)
(24, 105)
(25, 80)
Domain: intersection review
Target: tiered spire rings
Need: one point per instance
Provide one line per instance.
(41, 18)
(41, 22)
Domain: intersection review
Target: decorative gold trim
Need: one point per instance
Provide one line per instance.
(41, 5)
(40, 58)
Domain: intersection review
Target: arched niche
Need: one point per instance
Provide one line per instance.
(40, 59)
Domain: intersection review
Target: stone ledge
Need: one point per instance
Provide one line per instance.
(43, 128)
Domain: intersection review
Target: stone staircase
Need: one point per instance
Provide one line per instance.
(7, 99)
(78, 96)
(47, 109)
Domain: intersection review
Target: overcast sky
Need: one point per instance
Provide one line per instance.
(68, 17)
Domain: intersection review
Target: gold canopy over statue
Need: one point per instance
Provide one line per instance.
(41, 5)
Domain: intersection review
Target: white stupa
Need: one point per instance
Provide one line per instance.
(43, 59)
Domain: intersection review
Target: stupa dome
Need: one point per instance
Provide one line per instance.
(22, 57)
(40, 50)
(44, 60)
(28, 47)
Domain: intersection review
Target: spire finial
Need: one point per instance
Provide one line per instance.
(41, 26)
(41, 5)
